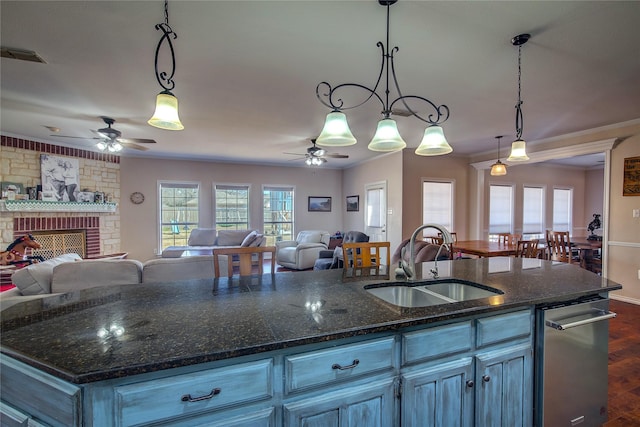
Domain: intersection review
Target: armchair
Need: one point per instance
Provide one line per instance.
(301, 254)
(329, 259)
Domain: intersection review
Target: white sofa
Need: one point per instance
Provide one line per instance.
(302, 253)
(209, 239)
(68, 273)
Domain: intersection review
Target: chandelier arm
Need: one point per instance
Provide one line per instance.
(165, 79)
(441, 111)
(338, 104)
(519, 119)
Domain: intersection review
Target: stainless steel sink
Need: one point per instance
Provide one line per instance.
(423, 294)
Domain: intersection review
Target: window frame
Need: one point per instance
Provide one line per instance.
(272, 238)
(541, 233)
(569, 210)
(230, 186)
(451, 226)
(176, 184)
(493, 234)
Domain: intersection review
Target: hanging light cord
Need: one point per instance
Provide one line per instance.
(519, 119)
(498, 138)
(165, 79)
(325, 92)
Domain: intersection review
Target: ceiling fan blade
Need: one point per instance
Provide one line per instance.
(135, 140)
(337, 156)
(295, 154)
(77, 137)
(134, 146)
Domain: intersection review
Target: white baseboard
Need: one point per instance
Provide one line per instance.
(624, 299)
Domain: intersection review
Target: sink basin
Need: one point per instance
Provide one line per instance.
(423, 294)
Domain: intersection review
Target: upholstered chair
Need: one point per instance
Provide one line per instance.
(329, 259)
(301, 254)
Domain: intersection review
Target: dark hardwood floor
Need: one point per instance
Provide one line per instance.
(624, 366)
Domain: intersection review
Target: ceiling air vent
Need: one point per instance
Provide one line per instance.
(23, 55)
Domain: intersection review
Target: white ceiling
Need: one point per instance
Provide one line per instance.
(246, 71)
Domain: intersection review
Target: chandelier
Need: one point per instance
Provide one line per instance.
(498, 168)
(518, 147)
(336, 132)
(166, 113)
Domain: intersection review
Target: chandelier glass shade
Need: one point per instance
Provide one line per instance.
(433, 143)
(166, 112)
(498, 168)
(336, 132)
(387, 137)
(519, 146)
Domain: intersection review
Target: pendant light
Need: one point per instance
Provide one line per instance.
(518, 147)
(498, 168)
(166, 113)
(336, 132)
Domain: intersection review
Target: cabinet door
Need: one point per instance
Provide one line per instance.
(439, 396)
(504, 391)
(370, 405)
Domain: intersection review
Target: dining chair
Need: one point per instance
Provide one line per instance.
(454, 236)
(434, 240)
(243, 258)
(366, 254)
(508, 238)
(527, 248)
(559, 247)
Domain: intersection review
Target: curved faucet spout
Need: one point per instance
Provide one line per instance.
(410, 268)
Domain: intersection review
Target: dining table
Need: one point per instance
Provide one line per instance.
(484, 248)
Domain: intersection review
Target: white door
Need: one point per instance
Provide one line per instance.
(375, 214)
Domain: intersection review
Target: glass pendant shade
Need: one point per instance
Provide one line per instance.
(498, 169)
(387, 137)
(518, 151)
(433, 143)
(101, 146)
(336, 132)
(166, 114)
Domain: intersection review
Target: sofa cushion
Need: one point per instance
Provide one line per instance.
(231, 237)
(251, 237)
(310, 236)
(36, 278)
(257, 241)
(172, 269)
(86, 274)
(202, 237)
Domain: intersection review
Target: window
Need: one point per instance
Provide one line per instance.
(533, 213)
(437, 205)
(500, 210)
(232, 207)
(277, 213)
(562, 209)
(179, 212)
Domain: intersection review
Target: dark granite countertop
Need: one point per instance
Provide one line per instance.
(105, 333)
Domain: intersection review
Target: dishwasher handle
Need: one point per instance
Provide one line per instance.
(603, 315)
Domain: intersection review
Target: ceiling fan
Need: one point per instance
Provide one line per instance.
(315, 156)
(111, 140)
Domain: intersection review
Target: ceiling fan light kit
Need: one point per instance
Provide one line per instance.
(166, 112)
(336, 131)
(518, 147)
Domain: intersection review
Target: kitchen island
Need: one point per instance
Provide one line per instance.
(288, 349)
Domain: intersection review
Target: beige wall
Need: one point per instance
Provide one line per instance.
(594, 194)
(624, 230)
(415, 168)
(139, 230)
(387, 168)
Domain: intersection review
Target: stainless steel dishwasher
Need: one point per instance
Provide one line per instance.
(572, 362)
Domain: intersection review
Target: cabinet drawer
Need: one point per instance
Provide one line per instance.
(436, 342)
(504, 327)
(192, 393)
(338, 364)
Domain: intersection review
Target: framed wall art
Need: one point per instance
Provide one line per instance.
(353, 203)
(60, 178)
(631, 180)
(319, 204)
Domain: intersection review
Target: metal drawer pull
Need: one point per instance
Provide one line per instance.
(603, 315)
(486, 378)
(470, 383)
(188, 398)
(343, 368)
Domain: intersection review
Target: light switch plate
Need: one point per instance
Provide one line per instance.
(636, 213)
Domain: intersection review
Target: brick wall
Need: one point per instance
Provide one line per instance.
(20, 162)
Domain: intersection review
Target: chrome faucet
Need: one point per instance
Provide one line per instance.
(410, 268)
